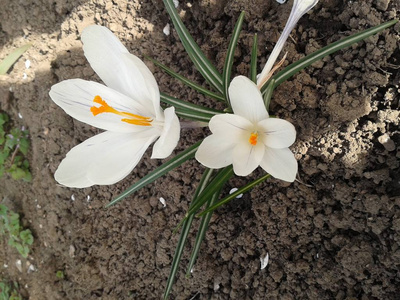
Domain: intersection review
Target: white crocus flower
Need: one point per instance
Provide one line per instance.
(128, 108)
(300, 7)
(249, 138)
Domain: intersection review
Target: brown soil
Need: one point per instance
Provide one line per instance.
(334, 234)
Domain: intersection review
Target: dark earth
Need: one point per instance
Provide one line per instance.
(332, 234)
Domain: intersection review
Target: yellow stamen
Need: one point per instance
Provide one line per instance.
(131, 118)
(253, 138)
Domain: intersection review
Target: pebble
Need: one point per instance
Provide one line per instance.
(387, 142)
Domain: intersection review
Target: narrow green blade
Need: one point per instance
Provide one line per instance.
(201, 232)
(242, 190)
(184, 234)
(203, 65)
(218, 182)
(226, 74)
(186, 114)
(10, 59)
(253, 62)
(157, 173)
(321, 53)
(183, 105)
(186, 81)
(268, 94)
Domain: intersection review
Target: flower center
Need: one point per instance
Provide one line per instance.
(253, 138)
(130, 118)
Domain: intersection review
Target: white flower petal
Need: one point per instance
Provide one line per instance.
(246, 100)
(75, 97)
(299, 8)
(169, 136)
(280, 163)
(103, 159)
(277, 133)
(216, 151)
(119, 69)
(229, 124)
(119, 157)
(246, 157)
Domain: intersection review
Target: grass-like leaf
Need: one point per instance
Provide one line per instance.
(242, 190)
(253, 61)
(157, 173)
(268, 93)
(203, 65)
(186, 114)
(184, 234)
(183, 105)
(230, 54)
(215, 184)
(186, 81)
(201, 232)
(6, 64)
(321, 53)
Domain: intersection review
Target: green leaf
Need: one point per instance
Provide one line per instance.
(6, 64)
(22, 249)
(183, 105)
(11, 142)
(184, 234)
(321, 53)
(201, 232)
(203, 65)
(157, 173)
(253, 62)
(186, 81)
(218, 182)
(242, 190)
(26, 236)
(3, 210)
(268, 94)
(24, 146)
(230, 54)
(186, 114)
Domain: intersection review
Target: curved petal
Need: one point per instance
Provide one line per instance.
(119, 69)
(169, 136)
(75, 97)
(280, 163)
(216, 151)
(103, 159)
(246, 158)
(230, 124)
(277, 133)
(246, 99)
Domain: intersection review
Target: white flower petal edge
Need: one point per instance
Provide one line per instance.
(169, 136)
(103, 159)
(129, 108)
(250, 139)
(251, 108)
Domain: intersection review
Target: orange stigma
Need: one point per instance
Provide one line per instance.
(253, 138)
(130, 118)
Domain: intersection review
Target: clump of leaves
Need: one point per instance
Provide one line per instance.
(10, 226)
(14, 145)
(9, 291)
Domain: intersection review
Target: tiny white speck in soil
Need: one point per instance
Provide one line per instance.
(234, 190)
(162, 200)
(27, 64)
(264, 261)
(166, 29)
